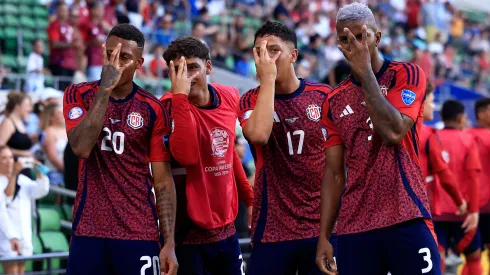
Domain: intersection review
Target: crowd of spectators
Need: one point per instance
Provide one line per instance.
(447, 43)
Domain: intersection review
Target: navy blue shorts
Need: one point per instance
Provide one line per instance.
(286, 258)
(223, 257)
(451, 235)
(484, 226)
(105, 256)
(407, 248)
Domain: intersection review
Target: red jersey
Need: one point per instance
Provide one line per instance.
(464, 162)
(63, 32)
(433, 161)
(385, 185)
(202, 145)
(289, 168)
(482, 139)
(114, 198)
(94, 32)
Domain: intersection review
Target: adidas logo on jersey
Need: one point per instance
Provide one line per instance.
(347, 111)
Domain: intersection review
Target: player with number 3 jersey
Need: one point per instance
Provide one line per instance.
(116, 129)
(280, 118)
(383, 220)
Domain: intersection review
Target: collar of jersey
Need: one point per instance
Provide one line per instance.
(122, 100)
(294, 94)
(214, 98)
(383, 69)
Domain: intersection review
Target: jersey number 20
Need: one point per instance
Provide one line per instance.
(301, 134)
(117, 139)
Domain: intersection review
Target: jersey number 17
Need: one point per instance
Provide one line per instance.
(301, 134)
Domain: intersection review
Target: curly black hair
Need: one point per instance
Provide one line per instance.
(187, 47)
(128, 32)
(277, 29)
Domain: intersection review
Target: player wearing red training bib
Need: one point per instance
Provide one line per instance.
(116, 129)
(384, 223)
(280, 119)
(202, 142)
(460, 232)
(481, 134)
(433, 158)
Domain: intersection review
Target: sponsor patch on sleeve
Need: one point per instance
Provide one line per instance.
(408, 97)
(75, 112)
(247, 114)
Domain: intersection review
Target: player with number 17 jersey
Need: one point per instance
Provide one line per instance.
(289, 169)
(114, 199)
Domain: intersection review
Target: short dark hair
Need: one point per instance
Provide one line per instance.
(277, 29)
(128, 32)
(187, 47)
(451, 109)
(481, 104)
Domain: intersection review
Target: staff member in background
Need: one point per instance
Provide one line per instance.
(17, 193)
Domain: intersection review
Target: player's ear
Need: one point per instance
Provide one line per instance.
(139, 62)
(378, 38)
(294, 55)
(209, 67)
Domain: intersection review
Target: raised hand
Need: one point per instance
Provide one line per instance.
(324, 257)
(14, 244)
(168, 260)
(181, 82)
(112, 70)
(265, 65)
(358, 53)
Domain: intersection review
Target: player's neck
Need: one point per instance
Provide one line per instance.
(377, 63)
(288, 86)
(481, 124)
(121, 92)
(200, 97)
(451, 125)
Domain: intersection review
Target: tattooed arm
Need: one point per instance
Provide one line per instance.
(166, 210)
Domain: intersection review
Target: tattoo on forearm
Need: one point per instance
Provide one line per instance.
(86, 133)
(166, 208)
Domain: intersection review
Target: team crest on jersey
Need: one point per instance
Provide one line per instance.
(75, 113)
(445, 156)
(135, 120)
(314, 112)
(408, 97)
(384, 90)
(220, 141)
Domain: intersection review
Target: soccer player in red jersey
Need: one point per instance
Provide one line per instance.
(432, 159)
(207, 168)
(280, 118)
(116, 129)
(383, 222)
(464, 162)
(481, 134)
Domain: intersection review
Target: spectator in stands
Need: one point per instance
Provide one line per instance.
(54, 141)
(165, 33)
(158, 66)
(63, 48)
(70, 163)
(79, 40)
(35, 68)
(96, 36)
(12, 130)
(18, 191)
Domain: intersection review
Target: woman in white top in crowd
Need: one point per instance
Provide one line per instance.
(17, 192)
(54, 141)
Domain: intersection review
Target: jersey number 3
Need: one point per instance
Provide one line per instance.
(301, 134)
(117, 139)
